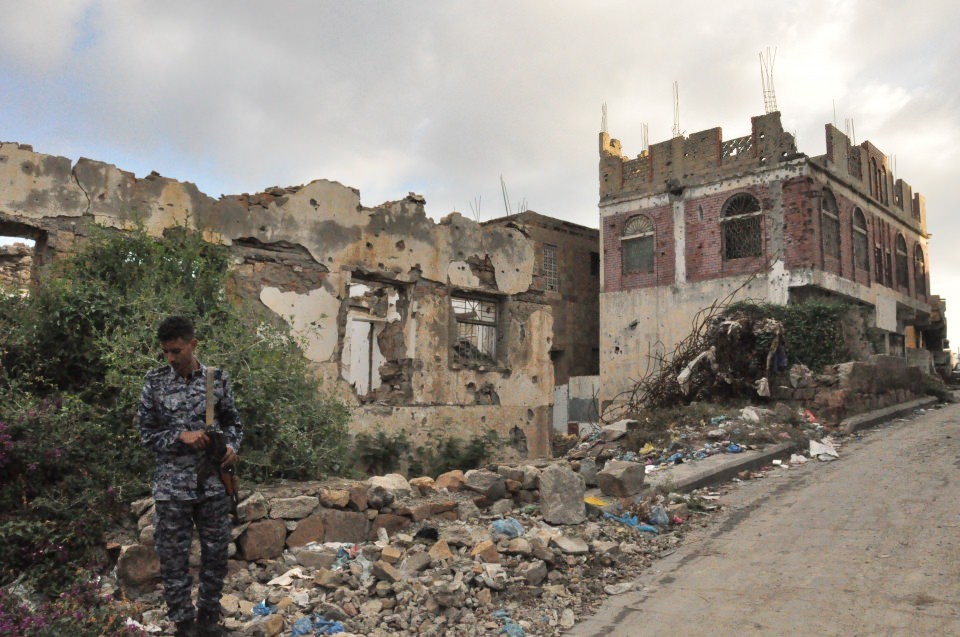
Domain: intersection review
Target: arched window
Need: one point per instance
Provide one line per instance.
(861, 260)
(884, 193)
(637, 244)
(742, 232)
(874, 179)
(830, 224)
(903, 280)
(919, 271)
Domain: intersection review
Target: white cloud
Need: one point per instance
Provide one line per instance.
(442, 98)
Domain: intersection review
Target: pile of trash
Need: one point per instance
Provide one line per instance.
(659, 446)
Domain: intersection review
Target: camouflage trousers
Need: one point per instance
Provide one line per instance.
(173, 535)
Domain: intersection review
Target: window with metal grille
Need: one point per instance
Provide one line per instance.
(550, 274)
(861, 260)
(476, 330)
(830, 224)
(919, 271)
(903, 277)
(742, 232)
(637, 244)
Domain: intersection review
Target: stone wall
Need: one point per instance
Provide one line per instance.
(16, 264)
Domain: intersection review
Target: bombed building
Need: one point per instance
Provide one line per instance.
(419, 325)
(694, 218)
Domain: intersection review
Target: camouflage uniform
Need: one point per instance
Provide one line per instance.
(170, 405)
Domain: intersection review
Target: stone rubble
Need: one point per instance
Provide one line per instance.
(516, 550)
(506, 545)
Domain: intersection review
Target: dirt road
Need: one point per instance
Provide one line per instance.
(866, 545)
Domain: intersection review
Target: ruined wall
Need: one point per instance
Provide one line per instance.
(371, 291)
(682, 186)
(16, 264)
(574, 299)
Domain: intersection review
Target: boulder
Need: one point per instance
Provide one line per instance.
(390, 522)
(263, 539)
(394, 483)
(486, 483)
(335, 498)
(253, 508)
(138, 568)
(293, 508)
(343, 526)
(588, 469)
(561, 495)
(451, 480)
(309, 529)
(621, 478)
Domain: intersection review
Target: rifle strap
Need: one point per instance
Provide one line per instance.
(211, 371)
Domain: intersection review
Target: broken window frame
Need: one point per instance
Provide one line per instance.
(551, 272)
(861, 256)
(919, 271)
(638, 245)
(477, 329)
(903, 277)
(829, 224)
(741, 218)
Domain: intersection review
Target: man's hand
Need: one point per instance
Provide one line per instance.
(229, 457)
(194, 439)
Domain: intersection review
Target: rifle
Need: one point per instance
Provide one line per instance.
(215, 452)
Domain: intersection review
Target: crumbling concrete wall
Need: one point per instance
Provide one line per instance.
(373, 292)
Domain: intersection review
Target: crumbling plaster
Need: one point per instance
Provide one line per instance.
(298, 249)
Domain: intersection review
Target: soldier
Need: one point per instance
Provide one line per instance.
(171, 417)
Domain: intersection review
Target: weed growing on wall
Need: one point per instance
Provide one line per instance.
(72, 358)
(379, 452)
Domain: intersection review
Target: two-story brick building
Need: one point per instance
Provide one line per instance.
(694, 218)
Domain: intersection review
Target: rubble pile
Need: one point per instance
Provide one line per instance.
(728, 355)
(519, 550)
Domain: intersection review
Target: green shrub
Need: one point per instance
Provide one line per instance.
(451, 453)
(380, 453)
(813, 329)
(72, 358)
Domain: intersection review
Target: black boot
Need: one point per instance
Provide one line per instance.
(186, 628)
(208, 624)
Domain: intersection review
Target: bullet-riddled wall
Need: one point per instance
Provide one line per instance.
(420, 325)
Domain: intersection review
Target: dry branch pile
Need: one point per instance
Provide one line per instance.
(726, 355)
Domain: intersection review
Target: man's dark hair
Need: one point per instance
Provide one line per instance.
(174, 327)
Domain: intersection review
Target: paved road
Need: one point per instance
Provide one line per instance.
(866, 546)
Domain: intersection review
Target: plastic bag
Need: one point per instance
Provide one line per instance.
(658, 516)
(508, 527)
(262, 609)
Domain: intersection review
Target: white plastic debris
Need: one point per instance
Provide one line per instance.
(797, 458)
(823, 450)
(287, 578)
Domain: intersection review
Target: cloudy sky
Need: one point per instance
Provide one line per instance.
(443, 97)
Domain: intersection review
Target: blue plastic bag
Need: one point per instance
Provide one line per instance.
(509, 527)
(302, 626)
(512, 630)
(262, 609)
(658, 516)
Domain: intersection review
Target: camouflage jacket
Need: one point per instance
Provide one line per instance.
(170, 405)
